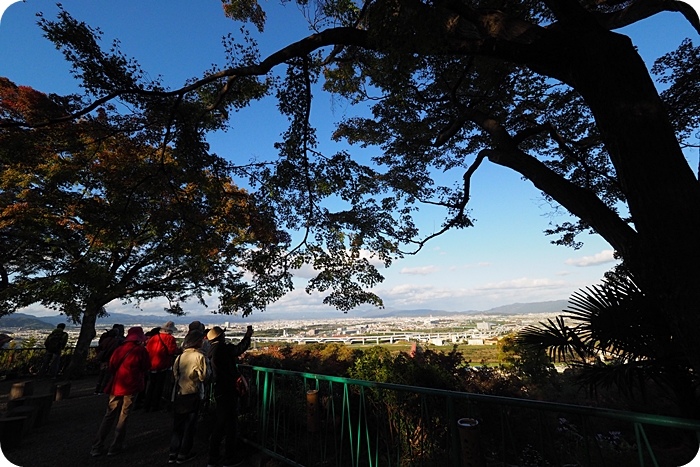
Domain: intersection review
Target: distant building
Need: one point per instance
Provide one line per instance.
(484, 326)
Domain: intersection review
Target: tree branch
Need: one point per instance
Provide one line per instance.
(640, 10)
(459, 218)
(343, 36)
(580, 202)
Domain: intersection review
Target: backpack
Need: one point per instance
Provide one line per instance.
(53, 342)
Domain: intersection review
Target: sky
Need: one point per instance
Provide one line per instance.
(504, 259)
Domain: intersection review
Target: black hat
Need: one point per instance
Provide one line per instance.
(193, 339)
(196, 325)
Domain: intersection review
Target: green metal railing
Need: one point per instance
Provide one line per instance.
(310, 420)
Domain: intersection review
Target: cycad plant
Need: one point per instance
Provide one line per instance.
(616, 336)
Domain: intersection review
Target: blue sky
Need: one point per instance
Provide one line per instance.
(505, 258)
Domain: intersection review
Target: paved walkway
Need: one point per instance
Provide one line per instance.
(66, 437)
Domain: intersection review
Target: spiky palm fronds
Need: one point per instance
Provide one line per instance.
(561, 342)
(616, 336)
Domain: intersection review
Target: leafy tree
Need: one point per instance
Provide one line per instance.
(532, 362)
(89, 215)
(547, 89)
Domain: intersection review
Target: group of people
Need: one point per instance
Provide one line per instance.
(203, 369)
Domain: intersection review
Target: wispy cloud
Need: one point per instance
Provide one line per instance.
(420, 271)
(605, 256)
(522, 283)
(307, 271)
(483, 296)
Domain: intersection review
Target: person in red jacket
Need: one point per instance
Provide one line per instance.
(162, 349)
(128, 365)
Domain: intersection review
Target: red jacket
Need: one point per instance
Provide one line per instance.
(129, 364)
(162, 349)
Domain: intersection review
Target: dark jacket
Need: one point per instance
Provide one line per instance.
(109, 340)
(224, 358)
(56, 341)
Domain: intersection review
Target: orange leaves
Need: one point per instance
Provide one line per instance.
(25, 104)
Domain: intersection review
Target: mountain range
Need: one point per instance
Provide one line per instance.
(21, 320)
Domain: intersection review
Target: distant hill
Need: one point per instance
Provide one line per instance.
(554, 306)
(21, 320)
(149, 321)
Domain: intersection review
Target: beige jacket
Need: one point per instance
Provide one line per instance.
(191, 370)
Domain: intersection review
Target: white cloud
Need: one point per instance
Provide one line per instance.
(418, 296)
(522, 283)
(307, 271)
(478, 297)
(420, 271)
(605, 256)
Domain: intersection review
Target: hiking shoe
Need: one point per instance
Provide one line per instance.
(172, 458)
(181, 459)
(96, 452)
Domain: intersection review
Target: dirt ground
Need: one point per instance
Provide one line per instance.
(66, 437)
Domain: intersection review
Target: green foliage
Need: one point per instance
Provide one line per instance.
(120, 218)
(437, 90)
(245, 10)
(21, 359)
(616, 336)
(531, 363)
(681, 71)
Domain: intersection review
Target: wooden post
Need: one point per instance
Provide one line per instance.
(469, 441)
(313, 414)
(60, 391)
(21, 389)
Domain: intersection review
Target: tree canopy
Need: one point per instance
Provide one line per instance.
(547, 89)
(91, 215)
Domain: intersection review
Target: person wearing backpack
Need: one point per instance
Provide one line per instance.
(128, 365)
(54, 345)
(109, 341)
(191, 371)
(162, 349)
(224, 361)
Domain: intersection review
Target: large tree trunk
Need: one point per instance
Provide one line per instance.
(662, 192)
(76, 368)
